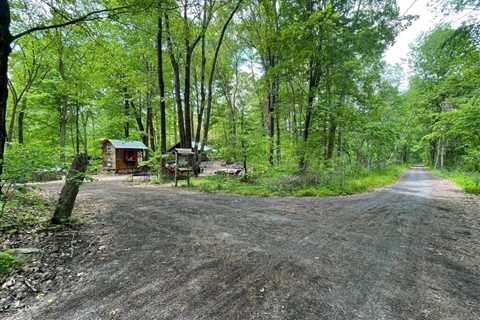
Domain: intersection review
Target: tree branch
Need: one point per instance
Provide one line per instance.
(93, 15)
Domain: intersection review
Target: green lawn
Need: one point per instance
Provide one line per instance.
(310, 184)
(468, 181)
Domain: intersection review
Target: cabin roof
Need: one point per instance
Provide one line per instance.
(125, 144)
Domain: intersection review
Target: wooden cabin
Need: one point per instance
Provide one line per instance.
(122, 155)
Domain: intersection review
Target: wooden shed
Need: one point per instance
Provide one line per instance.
(122, 155)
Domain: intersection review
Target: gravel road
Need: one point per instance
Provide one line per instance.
(409, 251)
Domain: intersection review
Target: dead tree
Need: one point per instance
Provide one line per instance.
(74, 179)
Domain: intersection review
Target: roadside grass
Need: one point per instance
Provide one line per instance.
(306, 184)
(24, 210)
(468, 181)
(22, 213)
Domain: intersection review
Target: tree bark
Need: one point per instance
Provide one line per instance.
(313, 82)
(77, 127)
(13, 113)
(127, 113)
(161, 85)
(21, 117)
(5, 49)
(63, 108)
(150, 127)
(331, 137)
(176, 74)
(138, 119)
(75, 177)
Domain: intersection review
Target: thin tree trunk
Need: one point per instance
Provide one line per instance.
(161, 85)
(313, 82)
(21, 117)
(202, 94)
(150, 127)
(138, 119)
(271, 122)
(77, 127)
(63, 109)
(12, 120)
(278, 146)
(127, 113)
(176, 73)
(331, 138)
(212, 75)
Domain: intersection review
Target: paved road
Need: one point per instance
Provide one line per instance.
(410, 251)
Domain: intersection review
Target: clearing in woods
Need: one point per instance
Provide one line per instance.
(409, 251)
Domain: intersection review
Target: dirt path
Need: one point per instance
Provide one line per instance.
(410, 251)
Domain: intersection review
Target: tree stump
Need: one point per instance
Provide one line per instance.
(74, 179)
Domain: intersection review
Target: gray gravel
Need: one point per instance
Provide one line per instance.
(410, 251)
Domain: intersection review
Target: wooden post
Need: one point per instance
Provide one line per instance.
(176, 168)
(74, 179)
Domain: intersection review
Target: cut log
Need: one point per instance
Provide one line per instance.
(74, 179)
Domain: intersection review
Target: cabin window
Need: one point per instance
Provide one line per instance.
(131, 155)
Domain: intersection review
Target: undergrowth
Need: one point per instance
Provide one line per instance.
(8, 262)
(468, 181)
(327, 183)
(24, 210)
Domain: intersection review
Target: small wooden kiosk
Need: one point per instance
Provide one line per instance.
(183, 164)
(122, 155)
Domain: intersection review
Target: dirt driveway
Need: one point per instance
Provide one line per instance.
(410, 251)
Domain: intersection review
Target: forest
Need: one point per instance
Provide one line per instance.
(296, 91)
(326, 182)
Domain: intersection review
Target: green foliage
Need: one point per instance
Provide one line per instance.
(23, 161)
(302, 184)
(24, 209)
(468, 181)
(8, 262)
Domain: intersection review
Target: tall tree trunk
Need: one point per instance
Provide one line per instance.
(278, 146)
(5, 49)
(63, 108)
(271, 121)
(21, 117)
(150, 127)
(202, 95)
(313, 82)
(212, 75)
(186, 99)
(139, 120)
(176, 74)
(186, 83)
(126, 101)
(161, 86)
(331, 137)
(12, 120)
(77, 127)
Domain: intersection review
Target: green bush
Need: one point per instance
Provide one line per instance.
(468, 181)
(8, 262)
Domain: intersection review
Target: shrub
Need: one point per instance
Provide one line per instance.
(8, 262)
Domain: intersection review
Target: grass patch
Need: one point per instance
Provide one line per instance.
(468, 181)
(8, 262)
(328, 183)
(24, 210)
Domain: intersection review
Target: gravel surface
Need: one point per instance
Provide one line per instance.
(409, 251)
